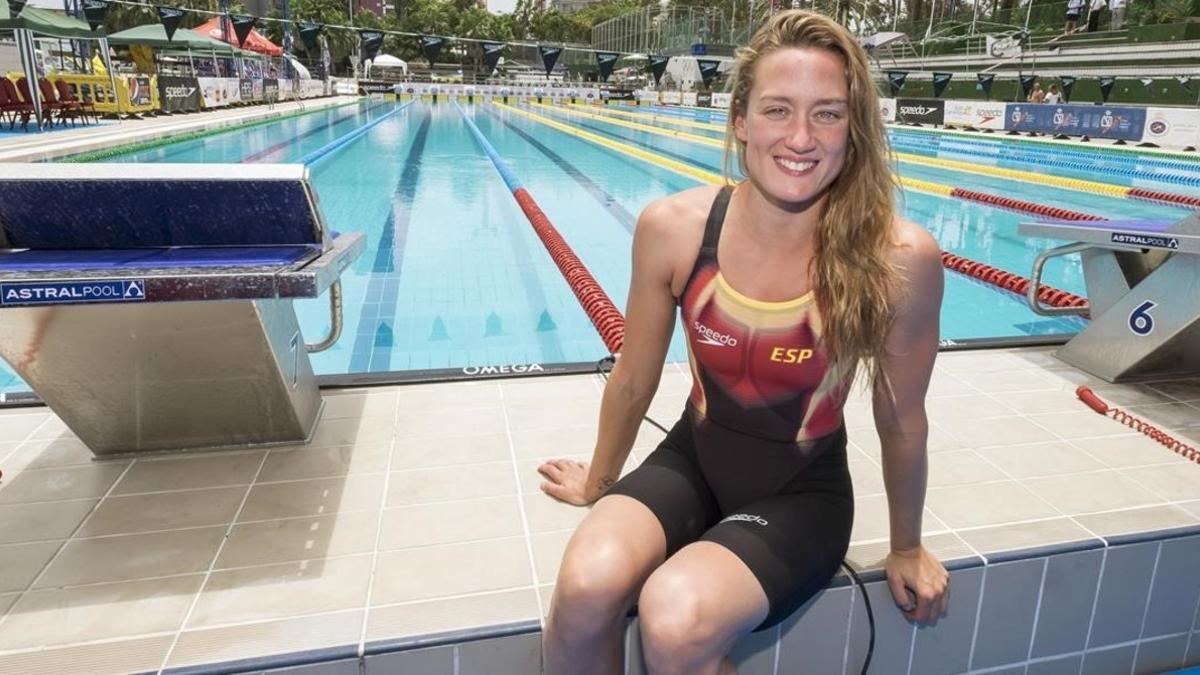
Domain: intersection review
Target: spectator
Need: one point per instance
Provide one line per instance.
(1074, 7)
(1054, 97)
(1093, 22)
(1037, 95)
(1117, 7)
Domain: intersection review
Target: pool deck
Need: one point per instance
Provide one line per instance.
(34, 146)
(416, 513)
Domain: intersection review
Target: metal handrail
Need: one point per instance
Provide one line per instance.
(1035, 282)
(335, 328)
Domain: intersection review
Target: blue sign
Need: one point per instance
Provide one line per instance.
(71, 292)
(1100, 121)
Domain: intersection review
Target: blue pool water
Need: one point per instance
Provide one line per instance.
(454, 276)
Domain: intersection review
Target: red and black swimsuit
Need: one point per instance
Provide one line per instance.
(757, 463)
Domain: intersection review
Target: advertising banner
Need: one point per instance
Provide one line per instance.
(704, 99)
(920, 110)
(220, 91)
(178, 94)
(977, 114)
(139, 89)
(1101, 121)
(617, 95)
(671, 97)
(1172, 127)
(270, 89)
(721, 100)
(689, 98)
(377, 87)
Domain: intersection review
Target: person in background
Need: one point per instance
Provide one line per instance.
(1037, 95)
(1117, 7)
(1054, 97)
(1094, 10)
(1074, 7)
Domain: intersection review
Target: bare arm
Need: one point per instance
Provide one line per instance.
(900, 419)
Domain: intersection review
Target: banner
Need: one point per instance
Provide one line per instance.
(605, 62)
(1004, 48)
(216, 92)
(1123, 122)
(896, 80)
(308, 35)
(721, 100)
(380, 87)
(940, 82)
(15, 7)
(658, 66)
(492, 51)
(704, 99)
(671, 97)
(178, 94)
(1027, 86)
(1184, 81)
(975, 114)
(617, 95)
(708, 70)
(920, 110)
(887, 109)
(983, 82)
(690, 98)
(270, 89)
(549, 57)
(95, 11)
(139, 89)
(1172, 127)
(242, 25)
(431, 46)
(369, 43)
(1068, 83)
(1106, 85)
(169, 16)
(245, 89)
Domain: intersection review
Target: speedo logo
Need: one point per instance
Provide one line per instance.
(179, 91)
(747, 517)
(709, 336)
(915, 110)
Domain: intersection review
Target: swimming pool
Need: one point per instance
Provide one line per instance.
(455, 278)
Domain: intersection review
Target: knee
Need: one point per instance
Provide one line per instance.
(595, 580)
(677, 626)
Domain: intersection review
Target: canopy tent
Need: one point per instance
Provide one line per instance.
(34, 20)
(387, 61)
(155, 35)
(255, 41)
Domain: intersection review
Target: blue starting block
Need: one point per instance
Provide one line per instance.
(153, 311)
(1143, 288)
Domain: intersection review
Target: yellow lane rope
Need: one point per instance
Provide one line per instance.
(664, 119)
(703, 140)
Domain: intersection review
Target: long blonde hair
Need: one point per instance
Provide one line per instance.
(850, 270)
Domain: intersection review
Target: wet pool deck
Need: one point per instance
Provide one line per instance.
(416, 511)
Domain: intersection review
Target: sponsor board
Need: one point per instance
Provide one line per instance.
(689, 98)
(221, 91)
(1172, 127)
(920, 110)
(721, 100)
(271, 89)
(178, 94)
(246, 89)
(139, 90)
(976, 114)
(704, 99)
(1101, 121)
(504, 369)
(671, 97)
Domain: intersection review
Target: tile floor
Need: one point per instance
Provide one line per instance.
(416, 510)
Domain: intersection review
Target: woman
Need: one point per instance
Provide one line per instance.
(786, 282)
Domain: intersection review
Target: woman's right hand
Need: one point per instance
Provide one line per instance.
(567, 482)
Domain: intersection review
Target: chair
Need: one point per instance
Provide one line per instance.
(48, 107)
(64, 107)
(11, 106)
(65, 94)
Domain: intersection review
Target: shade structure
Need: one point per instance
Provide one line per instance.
(255, 41)
(44, 22)
(155, 35)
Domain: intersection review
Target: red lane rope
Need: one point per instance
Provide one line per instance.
(1019, 205)
(1094, 402)
(600, 309)
(1155, 195)
(1048, 295)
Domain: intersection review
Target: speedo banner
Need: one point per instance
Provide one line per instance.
(976, 114)
(920, 110)
(704, 99)
(178, 94)
(1100, 121)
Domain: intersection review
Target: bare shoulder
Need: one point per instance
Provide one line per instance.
(678, 217)
(914, 247)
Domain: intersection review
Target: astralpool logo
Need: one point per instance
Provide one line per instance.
(709, 336)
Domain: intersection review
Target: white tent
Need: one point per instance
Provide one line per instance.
(388, 61)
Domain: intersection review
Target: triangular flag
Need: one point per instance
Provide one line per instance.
(1068, 83)
(605, 62)
(371, 41)
(549, 57)
(492, 51)
(308, 35)
(1147, 82)
(708, 70)
(940, 81)
(658, 66)
(1027, 85)
(1184, 81)
(15, 7)
(1106, 85)
(242, 25)
(169, 16)
(896, 79)
(95, 11)
(431, 46)
(983, 82)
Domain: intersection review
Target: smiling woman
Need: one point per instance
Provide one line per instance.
(786, 282)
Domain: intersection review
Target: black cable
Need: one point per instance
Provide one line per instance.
(870, 616)
(610, 361)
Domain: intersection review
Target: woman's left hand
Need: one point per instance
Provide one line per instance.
(919, 571)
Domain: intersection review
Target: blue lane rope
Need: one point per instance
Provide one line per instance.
(510, 179)
(337, 143)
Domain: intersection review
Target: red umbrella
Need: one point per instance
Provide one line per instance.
(255, 42)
